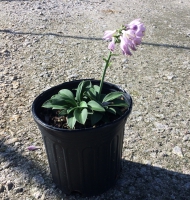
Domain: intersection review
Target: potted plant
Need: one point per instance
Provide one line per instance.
(82, 124)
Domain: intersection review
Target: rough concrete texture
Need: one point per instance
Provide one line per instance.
(47, 42)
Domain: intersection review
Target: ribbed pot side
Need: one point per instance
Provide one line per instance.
(87, 161)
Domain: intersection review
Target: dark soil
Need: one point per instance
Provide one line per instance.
(52, 117)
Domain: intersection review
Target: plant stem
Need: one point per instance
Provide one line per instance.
(104, 72)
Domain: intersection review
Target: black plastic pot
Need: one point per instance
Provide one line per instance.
(87, 161)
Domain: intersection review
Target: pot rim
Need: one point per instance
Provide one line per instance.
(50, 127)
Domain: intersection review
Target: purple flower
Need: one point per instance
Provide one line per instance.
(111, 45)
(33, 148)
(138, 29)
(109, 34)
(136, 25)
(129, 37)
(124, 45)
(132, 36)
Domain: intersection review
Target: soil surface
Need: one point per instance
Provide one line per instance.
(47, 42)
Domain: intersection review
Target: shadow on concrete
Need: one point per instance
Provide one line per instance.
(141, 181)
(137, 181)
(29, 170)
(165, 45)
(87, 38)
(48, 34)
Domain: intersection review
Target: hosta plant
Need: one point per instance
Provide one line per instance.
(86, 105)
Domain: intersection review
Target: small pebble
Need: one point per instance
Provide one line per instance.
(10, 185)
(177, 151)
(18, 190)
(170, 77)
(2, 188)
(11, 141)
(186, 138)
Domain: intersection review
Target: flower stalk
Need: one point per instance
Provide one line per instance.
(104, 71)
(128, 36)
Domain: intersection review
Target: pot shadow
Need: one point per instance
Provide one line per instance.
(29, 170)
(140, 181)
(137, 181)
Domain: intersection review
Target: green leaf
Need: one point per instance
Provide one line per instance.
(54, 104)
(79, 91)
(96, 117)
(71, 120)
(57, 96)
(111, 110)
(81, 88)
(67, 96)
(65, 93)
(112, 96)
(61, 100)
(62, 112)
(81, 115)
(92, 94)
(95, 106)
(96, 88)
(83, 104)
(71, 109)
(47, 104)
(58, 107)
(119, 103)
(105, 104)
